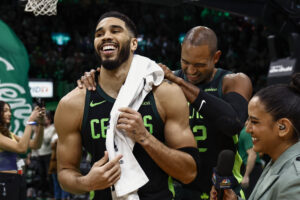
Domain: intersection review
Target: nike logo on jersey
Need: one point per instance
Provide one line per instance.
(202, 103)
(92, 104)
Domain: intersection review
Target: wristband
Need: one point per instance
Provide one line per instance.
(32, 123)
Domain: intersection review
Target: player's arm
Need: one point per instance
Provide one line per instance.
(68, 118)
(178, 134)
(176, 156)
(230, 112)
(67, 122)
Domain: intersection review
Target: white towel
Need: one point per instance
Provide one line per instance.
(142, 75)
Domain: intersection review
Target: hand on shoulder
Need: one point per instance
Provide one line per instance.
(169, 98)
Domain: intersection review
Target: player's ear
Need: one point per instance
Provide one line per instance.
(133, 44)
(217, 56)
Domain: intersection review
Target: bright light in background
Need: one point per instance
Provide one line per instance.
(60, 38)
(41, 88)
(181, 37)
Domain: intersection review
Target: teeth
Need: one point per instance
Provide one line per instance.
(109, 47)
(254, 139)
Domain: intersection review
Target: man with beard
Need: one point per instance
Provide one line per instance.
(218, 106)
(164, 143)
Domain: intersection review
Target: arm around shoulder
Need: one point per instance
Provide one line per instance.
(229, 111)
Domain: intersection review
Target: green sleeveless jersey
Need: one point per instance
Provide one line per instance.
(95, 123)
(209, 140)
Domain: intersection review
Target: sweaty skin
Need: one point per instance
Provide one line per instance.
(169, 99)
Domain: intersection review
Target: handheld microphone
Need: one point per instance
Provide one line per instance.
(222, 174)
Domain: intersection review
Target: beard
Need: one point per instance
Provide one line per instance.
(123, 56)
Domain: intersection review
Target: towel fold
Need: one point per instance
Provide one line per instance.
(142, 75)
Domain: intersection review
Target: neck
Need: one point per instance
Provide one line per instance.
(211, 77)
(112, 80)
(280, 150)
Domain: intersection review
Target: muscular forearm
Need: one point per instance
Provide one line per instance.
(73, 181)
(175, 163)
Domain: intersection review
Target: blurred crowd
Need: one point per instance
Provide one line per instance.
(40, 169)
(243, 41)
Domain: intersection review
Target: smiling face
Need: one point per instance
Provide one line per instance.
(263, 129)
(113, 42)
(197, 62)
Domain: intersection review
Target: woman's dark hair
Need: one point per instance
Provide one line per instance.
(128, 22)
(3, 125)
(283, 101)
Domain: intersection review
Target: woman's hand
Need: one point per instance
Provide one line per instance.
(228, 194)
(34, 114)
(38, 115)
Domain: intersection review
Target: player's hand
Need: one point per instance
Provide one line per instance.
(104, 173)
(88, 80)
(229, 194)
(132, 123)
(168, 73)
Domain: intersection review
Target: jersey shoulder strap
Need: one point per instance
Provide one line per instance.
(219, 79)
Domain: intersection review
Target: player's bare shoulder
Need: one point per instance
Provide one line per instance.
(167, 90)
(238, 82)
(236, 77)
(71, 106)
(169, 97)
(75, 98)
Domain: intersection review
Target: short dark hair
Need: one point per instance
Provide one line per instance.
(283, 101)
(128, 22)
(202, 35)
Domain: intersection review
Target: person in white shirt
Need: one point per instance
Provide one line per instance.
(43, 156)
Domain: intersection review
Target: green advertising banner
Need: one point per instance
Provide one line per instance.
(14, 89)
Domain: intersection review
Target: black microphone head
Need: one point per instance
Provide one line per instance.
(225, 162)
